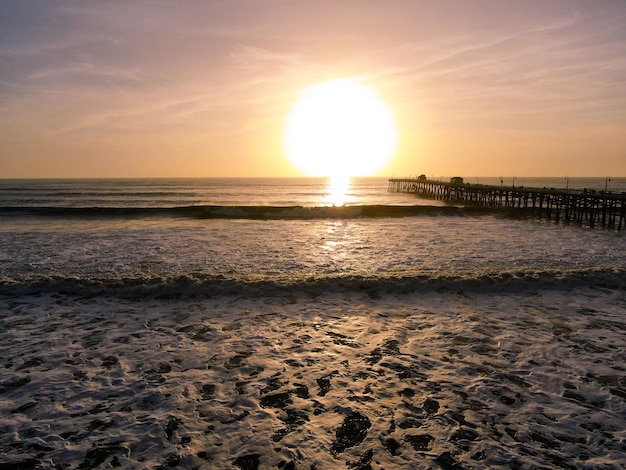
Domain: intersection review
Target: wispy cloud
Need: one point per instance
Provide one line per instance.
(242, 54)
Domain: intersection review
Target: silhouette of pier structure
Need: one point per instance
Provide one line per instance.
(585, 207)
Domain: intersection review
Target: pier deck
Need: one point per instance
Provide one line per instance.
(585, 207)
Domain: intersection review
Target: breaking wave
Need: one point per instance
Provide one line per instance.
(203, 285)
(247, 212)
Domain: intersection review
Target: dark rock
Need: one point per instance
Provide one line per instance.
(404, 372)
(361, 399)
(364, 463)
(79, 374)
(351, 432)
(254, 370)
(241, 387)
(273, 383)
(235, 361)
(34, 362)
(301, 391)
(324, 385)
(507, 400)
(375, 356)
(303, 339)
(459, 418)
(234, 419)
(478, 456)
(512, 378)
(318, 408)
(30, 447)
(410, 423)
(208, 390)
(97, 455)
(574, 396)
(171, 426)
(295, 418)
(545, 440)
(608, 380)
(464, 434)
(99, 408)
(591, 426)
(91, 341)
(98, 424)
(511, 432)
(447, 462)
(560, 462)
(420, 442)
(483, 349)
(278, 435)
(24, 407)
(292, 419)
(343, 340)
(293, 363)
(431, 406)
(17, 464)
(109, 362)
(389, 348)
(391, 445)
(151, 401)
(618, 392)
(171, 461)
(14, 383)
(277, 400)
(247, 462)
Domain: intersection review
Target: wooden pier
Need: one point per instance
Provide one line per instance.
(585, 207)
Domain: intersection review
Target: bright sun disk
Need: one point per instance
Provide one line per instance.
(340, 129)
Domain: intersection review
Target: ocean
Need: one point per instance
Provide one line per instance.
(304, 323)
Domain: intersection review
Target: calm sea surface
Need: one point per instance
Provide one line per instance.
(209, 236)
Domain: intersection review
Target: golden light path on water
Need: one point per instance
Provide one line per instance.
(337, 191)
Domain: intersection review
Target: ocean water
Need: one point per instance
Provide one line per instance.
(301, 323)
(206, 235)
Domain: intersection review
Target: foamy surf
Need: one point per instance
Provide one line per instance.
(454, 380)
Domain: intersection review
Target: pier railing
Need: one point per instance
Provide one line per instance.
(585, 207)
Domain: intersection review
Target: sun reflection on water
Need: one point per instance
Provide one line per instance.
(338, 191)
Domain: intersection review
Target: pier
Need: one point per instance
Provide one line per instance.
(585, 207)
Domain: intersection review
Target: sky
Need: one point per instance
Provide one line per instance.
(154, 88)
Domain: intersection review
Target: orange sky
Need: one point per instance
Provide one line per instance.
(203, 88)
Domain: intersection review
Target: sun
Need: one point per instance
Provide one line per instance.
(340, 129)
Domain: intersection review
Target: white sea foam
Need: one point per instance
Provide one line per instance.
(522, 380)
